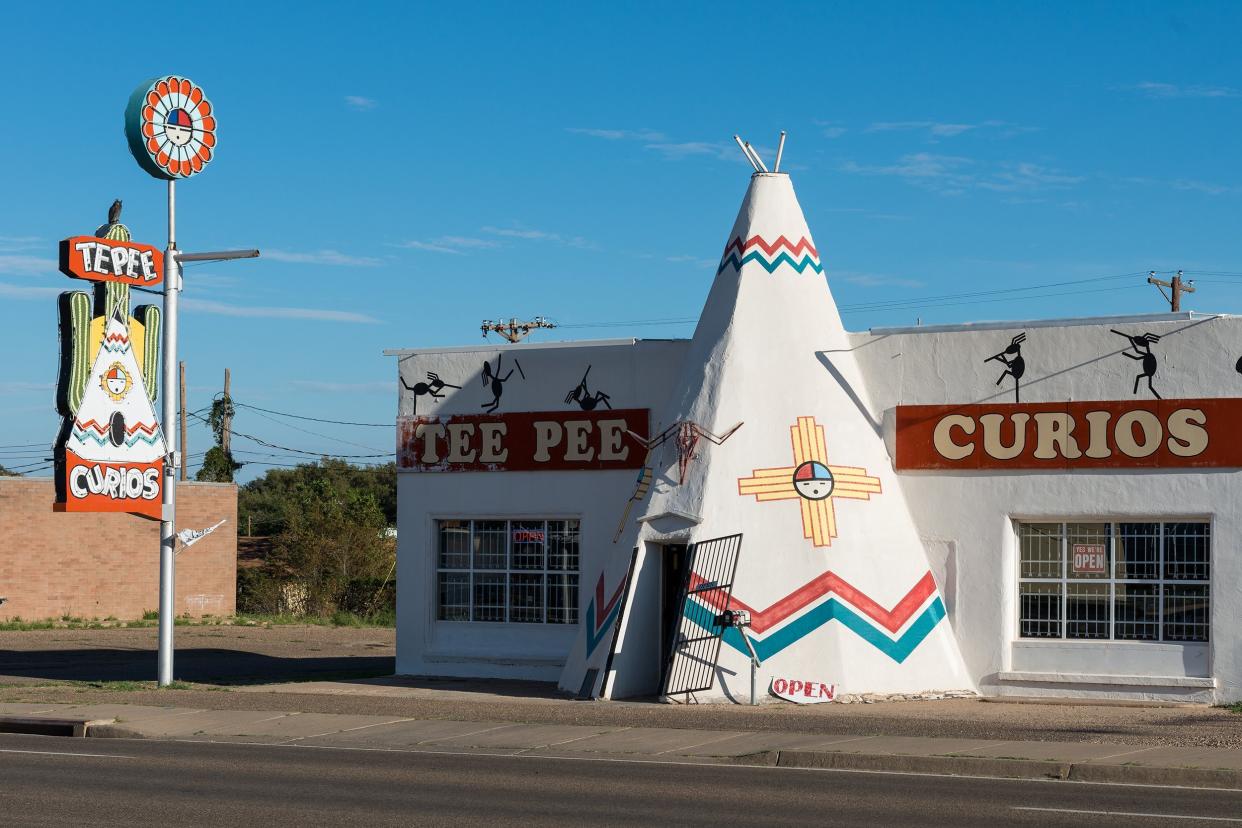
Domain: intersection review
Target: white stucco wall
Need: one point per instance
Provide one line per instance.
(634, 373)
(965, 519)
(972, 513)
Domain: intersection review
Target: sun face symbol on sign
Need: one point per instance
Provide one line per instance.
(171, 127)
(179, 128)
(811, 482)
(116, 382)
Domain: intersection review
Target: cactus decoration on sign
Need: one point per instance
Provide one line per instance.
(110, 450)
(82, 323)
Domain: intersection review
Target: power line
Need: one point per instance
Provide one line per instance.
(853, 309)
(315, 419)
(312, 433)
(263, 442)
(979, 293)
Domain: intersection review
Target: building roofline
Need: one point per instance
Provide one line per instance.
(521, 346)
(1182, 316)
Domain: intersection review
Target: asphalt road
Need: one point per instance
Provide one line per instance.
(51, 781)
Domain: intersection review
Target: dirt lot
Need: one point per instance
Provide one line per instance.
(226, 663)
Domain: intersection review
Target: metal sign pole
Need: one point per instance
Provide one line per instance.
(168, 520)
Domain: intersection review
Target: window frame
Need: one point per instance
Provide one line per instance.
(510, 521)
(1110, 580)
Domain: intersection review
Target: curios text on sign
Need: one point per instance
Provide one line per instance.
(526, 441)
(1106, 434)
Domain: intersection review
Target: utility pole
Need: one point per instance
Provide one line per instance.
(1177, 286)
(228, 416)
(514, 330)
(184, 443)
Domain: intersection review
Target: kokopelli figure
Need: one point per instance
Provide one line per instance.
(1143, 354)
(433, 386)
(583, 396)
(1015, 365)
(496, 382)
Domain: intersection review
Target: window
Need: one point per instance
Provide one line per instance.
(520, 571)
(1139, 581)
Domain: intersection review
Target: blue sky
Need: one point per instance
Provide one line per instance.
(410, 169)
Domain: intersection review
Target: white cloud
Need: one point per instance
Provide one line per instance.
(9, 244)
(318, 314)
(873, 279)
(671, 150)
(954, 174)
(685, 149)
(697, 261)
(834, 131)
(619, 134)
(19, 387)
(359, 103)
(376, 387)
(528, 234)
(22, 265)
(29, 291)
(1208, 187)
(322, 257)
(939, 130)
(936, 130)
(1153, 89)
(448, 244)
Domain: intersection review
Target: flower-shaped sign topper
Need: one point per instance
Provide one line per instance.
(171, 127)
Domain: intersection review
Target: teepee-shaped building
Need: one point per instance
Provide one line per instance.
(114, 447)
(831, 569)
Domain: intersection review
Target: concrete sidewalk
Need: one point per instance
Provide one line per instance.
(1087, 762)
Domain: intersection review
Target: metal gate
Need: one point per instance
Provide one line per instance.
(706, 590)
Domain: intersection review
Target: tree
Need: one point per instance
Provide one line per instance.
(6, 473)
(266, 502)
(218, 464)
(333, 543)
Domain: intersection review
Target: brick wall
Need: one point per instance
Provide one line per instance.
(98, 565)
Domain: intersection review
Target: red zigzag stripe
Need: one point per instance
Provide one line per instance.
(763, 620)
(103, 429)
(781, 241)
(602, 609)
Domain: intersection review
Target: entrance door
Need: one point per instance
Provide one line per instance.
(693, 645)
(674, 560)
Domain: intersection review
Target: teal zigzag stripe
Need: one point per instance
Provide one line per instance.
(119, 348)
(898, 650)
(99, 439)
(770, 267)
(594, 637)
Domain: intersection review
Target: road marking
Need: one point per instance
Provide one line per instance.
(703, 762)
(58, 753)
(1126, 814)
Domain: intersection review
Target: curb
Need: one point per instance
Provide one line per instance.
(53, 726)
(1221, 778)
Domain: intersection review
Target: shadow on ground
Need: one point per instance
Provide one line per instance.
(196, 664)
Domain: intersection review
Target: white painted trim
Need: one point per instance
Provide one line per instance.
(696, 519)
(1087, 678)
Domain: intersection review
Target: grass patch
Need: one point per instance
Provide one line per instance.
(1236, 707)
(384, 618)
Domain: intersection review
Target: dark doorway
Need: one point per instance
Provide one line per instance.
(674, 561)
